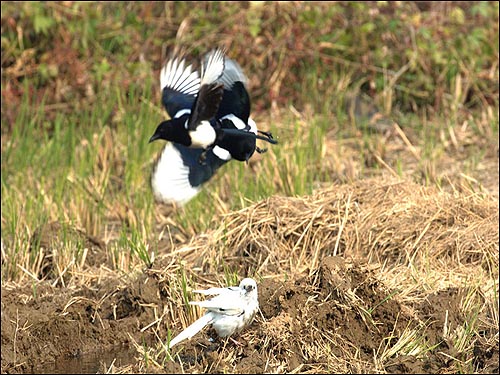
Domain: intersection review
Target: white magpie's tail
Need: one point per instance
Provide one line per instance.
(192, 330)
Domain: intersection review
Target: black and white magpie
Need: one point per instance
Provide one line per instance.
(192, 128)
(209, 125)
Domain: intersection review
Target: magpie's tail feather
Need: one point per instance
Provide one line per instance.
(192, 330)
(241, 133)
(267, 139)
(267, 134)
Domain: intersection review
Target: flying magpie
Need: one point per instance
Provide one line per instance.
(209, 125)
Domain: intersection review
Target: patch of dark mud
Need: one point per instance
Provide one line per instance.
(42, 324)
(408, 364)
(486, 357)
(342, 302)
(443, 313)
(441, 309)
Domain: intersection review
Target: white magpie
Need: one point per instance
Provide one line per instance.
(231, 310)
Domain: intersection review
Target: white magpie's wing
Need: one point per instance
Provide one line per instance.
(222, 309)
(209, 292)
(213, 291)
(180, 85)
(228, 302)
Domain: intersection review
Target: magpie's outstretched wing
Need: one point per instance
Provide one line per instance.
(210, 93)
(236, 100)
(199, 173)
(179, 175)
(180, 85)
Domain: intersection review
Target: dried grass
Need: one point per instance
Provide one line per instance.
(390, 222)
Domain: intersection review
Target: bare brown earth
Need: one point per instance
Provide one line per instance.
(327, 305)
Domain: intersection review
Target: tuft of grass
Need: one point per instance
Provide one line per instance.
(410, 342)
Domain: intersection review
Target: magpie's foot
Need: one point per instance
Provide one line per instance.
(203, 157)
(260, 150)
(237, 343)
(269, 135)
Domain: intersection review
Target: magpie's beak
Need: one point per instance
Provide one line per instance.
(154, 137)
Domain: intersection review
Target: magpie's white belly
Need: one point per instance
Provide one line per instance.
(203, 136)
(170, 178)
(226, 325)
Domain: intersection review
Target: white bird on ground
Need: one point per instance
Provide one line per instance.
(231, 310)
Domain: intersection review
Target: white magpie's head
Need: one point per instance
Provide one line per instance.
(248, 285)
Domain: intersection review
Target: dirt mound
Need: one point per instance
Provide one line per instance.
(369, 277)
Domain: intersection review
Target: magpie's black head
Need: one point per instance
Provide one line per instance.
(248, 150)
(162, 131)
(171, 130)
(242, 150)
